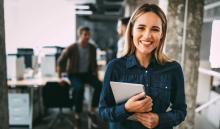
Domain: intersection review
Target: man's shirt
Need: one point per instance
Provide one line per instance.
(83, 58)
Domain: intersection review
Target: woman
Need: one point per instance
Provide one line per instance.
(145, 63)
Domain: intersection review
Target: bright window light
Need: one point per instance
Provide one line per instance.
(215, 45)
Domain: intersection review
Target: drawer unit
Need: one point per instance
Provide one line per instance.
(19, 109)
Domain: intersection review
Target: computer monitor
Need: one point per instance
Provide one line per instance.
(53, 50)
(48, 65)
(27, 53)
(56, 50)
(15, 67)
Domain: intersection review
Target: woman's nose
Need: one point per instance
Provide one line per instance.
(147, 34)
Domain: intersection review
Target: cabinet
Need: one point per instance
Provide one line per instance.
(25, 101)
(19, 110)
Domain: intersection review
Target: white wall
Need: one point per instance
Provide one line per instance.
(36, 23)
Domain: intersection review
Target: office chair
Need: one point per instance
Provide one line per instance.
(57, 96)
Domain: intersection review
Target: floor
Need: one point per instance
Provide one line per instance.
(200, 122)
(61, 123)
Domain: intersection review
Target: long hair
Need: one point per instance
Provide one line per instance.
(129, 45)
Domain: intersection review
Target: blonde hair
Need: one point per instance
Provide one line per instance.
(129, 45)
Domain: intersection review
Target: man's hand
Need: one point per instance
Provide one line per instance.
(58, 69)
(149, 120)
(62, 82)
(139, 103)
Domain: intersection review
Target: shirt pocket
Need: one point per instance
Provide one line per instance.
(160, 92)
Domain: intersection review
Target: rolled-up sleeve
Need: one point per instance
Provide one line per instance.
(108, 110)
(178, 111)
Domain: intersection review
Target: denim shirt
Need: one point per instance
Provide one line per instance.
(163, 83)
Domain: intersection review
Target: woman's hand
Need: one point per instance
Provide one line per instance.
(149, 120)
(139, 103)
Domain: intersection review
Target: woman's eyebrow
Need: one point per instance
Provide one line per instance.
(141, 25)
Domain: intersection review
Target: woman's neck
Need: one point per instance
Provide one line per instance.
(144, 60)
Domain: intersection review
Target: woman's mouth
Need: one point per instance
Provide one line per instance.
(146, 43)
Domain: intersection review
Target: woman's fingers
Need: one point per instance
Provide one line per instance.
(139, 103)
(132, 105)
(146, 104)
(149, 120)
(138, 96)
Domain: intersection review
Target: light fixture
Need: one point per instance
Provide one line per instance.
(82, 7)
(84, 12)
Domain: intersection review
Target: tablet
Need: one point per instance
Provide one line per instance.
(123, 91)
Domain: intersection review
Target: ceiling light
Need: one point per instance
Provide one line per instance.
(81, 7)
(83, 12)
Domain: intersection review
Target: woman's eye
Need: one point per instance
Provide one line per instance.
(140, 28)
(157, 30)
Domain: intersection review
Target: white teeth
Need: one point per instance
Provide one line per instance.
(145, 42)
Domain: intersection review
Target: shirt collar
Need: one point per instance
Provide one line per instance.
(132, 61)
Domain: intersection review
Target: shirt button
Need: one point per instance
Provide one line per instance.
(147, 85)
(166, 87)
(146, 71)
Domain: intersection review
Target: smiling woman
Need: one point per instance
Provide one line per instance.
(162, 77)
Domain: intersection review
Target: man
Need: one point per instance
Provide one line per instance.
(79, 61)
(121, 29)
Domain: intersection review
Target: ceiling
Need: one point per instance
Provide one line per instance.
(101, 9)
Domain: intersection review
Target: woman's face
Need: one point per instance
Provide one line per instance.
(147, 32)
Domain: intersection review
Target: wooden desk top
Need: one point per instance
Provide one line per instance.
(35, 82)
(41, 81)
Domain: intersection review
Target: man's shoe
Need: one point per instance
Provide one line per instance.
(94, 120)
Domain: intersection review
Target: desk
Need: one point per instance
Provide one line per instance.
(31, 82)
(15, 99)
(21, 104)
(205, 83)
(209, 72)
